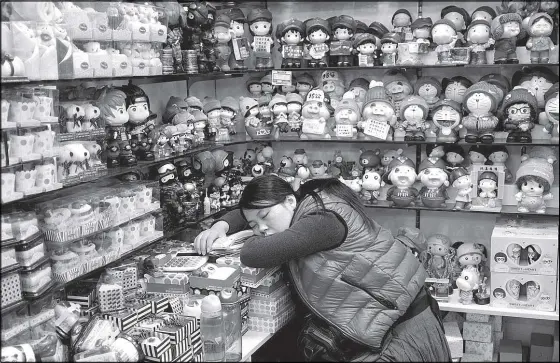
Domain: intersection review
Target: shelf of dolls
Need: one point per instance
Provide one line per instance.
(202, 218)
(454, 305)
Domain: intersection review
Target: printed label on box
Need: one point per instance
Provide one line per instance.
(281, 78)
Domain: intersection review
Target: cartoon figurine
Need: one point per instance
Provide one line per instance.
(300, 157)
(248, 161)
(304, 84)
(112, 106)
(550, 116)
(318, 32)
(460, 179)
(358, 88)
(478, 154)
(506, 28)
(479, 40)
(537, 79)
(339, 167)
(446, 117)
(539, 27)
(437, 260)
(222, 48)
(388, 156)
(260, 26)
(255, 128)
(436, 151)
(455, 88)
(402, 21)
(365, 45)
(485, 13)
(287, 166)
(534, 179)
(318, 170)
(488, 187)
(422, 30)
(402, 176)
(369, 160)
(295, 103)
(333, 86)
(467, 283)
(445, 36)
(520, 111)
(140, 121)
(213, 110)
(197, 16)
(398, 87)
(429, 89)
(389, 46)
(316, 112)
(414, 111)
(172, 195)
(279, 107)
(371, 183)
(239, 42)
(229, 110)
(378, 114)
(266, 85)
(460, 19)
(343, 29)
(455, 156)
(433, 177)
(254, 87)
(481, 102)
(291, 34)
(346, 116)
(498, 156)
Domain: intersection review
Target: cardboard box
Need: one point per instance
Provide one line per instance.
(454, 316)
(480, 318)
(168, 283)
(185, 357)
(535, 292)
(277, 302)
(497, 322)
(175, 333)
(454, 338)
(484, 349)
(155, 347)
(470, 357)
(165, 357)
(199, 283)
(158, 304)
(143, 309)
(267, 324)
(511, 351)
(527, 247)
(542, 346)
(110, 297)
(152, 323)
(478, 332)
(125, 320)
(83, 294)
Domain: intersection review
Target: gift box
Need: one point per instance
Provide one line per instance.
(110, 297)
(198, 358)
(453, 316)
(478, 332)
(167, 356)
(125, 319)
(128, 274)
(523, 291)
(176, 305)
(469, 357)
(454, 338)
(89, 311)
(254, 277)
(184, 357)
(267, 324)
(83, 294)
(479, 318)
(277, 302)
(274, 295)
(176, 333)
(168, 283)
(511, 351)
(154, 347)
(142, 308)
(209, 283)
(263, 289)
(497, 323)
(484, 349)
(158, 304)
(196, 342)
(151, 324)
(542, 346)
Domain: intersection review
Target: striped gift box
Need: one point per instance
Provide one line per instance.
(89, 311)
(140, 334)
(176, 305)
(155, 347)
(185, 357)
(167, 356)
(125, 320)
(181, 348)
(176, 333)
(198, 358)
(142, 308)
(151, 323)
(196, 342)
(159, 304)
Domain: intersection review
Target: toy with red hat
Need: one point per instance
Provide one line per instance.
(365, 45)
(389, 44)
(343, 29)
(520, 110)
(260, 26)
(534, 179)
(291, 34)
(432, 175)
(318, 48)
(402, 176)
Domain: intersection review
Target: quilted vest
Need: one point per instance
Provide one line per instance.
(362, 286)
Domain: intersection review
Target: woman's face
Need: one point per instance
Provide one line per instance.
(271, 220)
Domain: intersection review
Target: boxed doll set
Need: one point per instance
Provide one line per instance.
(521, 291)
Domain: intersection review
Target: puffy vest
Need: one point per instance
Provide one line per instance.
(362, 286)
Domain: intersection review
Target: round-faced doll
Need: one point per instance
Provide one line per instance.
(291, 34)
(550, 116)
(536, 79)
(520, 111)
(260, 26)
(460, 179)
(365, 45)
(534, 179)
(402, 21)
(343, 31)
(438, 257)
(434, 179)
(429, 89)
(445, 36)
(295, 103)
(446, 118)
(346, 117)
(498, 155)
(486, 13)
(455, 156)
(316, 113)
(378, 111)
(460, 19)
(402, 175)
(455, 88)
(318, 32)
(481, 102)
(358, 88)
(479, 40)
(266, 85)
(254, 87)
(488, 188)
(279, 107)
(398, 87)
(414, 112)
(539, 27)
(304, 84)
(389, 45)
(505, 30)
(222, 48)
(422, 30)
(478, 154)
(333, 86)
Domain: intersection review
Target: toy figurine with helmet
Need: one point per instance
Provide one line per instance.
(317, 32)
(365, 47)
(140, 121)
(402, 175)
(485, 13)
(389, 47)
(260, 26)
(520, 111)
(402, 20)
(422, 30)
(444, 35)
(291, 35)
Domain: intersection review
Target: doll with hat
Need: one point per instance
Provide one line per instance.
(481, 101)
(520, 111)
(478, 155)
(402, 20)
(497, 156)
(304, 84)
(361, 27)
(249, 108)
(193, 104)
(488, 188)
(454, 88)
(343, 30)
(421, 30)
(479, 40)
(550, 116)
(389, 47)
(536, 79)
(346, 116)
(213, 109)
(455, 156)
(540, 27)
(470, 257)
(291, 34)
(140, 121)
(437, 258)
(461, 180)
(365, 46)
(398, 87)
(434, 179)
(486, 13)
(264, 110)
(506, 28)
(446, 118)
(460, 19)
(230, 108)
(371, 183)
(200, 125)
(429, 89)
(254, 86)
(414, 112)
(260, 26)
(238, 41)
(294, 103)
(534, 179)
(287, 88)
(316, 113)
(444, 35)
(222, 48)
(317, 33)
(402, 175)
(266, 85)
(378, 112)
(318, 170)
(358, 88)
(279, 107)
(378, 30)
(333, 86)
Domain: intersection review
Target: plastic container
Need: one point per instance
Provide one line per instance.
(8, 261)
(34, 281)
(212, 330)
(65, 265)
(231, 311)
(11, 289)
(24, 225)
(30, 251)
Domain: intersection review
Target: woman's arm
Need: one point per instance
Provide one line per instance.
(313, 233)
(234, 220)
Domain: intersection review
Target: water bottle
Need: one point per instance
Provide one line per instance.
(212, 330)
(232, 321)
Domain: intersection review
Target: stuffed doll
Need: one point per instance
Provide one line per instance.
(539, 27)
(520, 111)
(402, 21)
(533, 180)
(316, 112)
(291, 34)
(414, 111)
(445, 36)
(446, 117)
(433, 177)
(317, 33)
(550, 116)
(346, 116)
(506, 28)
(402, 175)
(239, 41)
(140, 121)
(481, 102)
(365, 45)
(498, 155)
(389, 47)
(455, 88)
(260, 26)
(222, 48)
(304, 84)
(343, 31)
(479, 40)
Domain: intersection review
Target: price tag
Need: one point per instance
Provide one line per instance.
(315, 95)
(316, 127)
(281, 78)
(344, 130)
(377, 129)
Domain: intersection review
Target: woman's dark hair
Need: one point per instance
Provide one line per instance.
(268, 190)
(537, 179)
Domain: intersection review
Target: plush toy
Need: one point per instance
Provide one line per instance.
(506, 28)
(539, 27)
(343, 30)
(223, 35)
(446, 117)
(520, 110)
(402, 175)
(239, 42)
(433, 177)
(346, 116)
(291, 34)
(260, 26)
(534, 179)
(140, 121)
(318, 32)
(316, 112)
(92, 117)
(481, 102)
(460, 179)
(550, 116)
(74, 117)
(378, 114)
(389, 47)
(414, 111)
(479, 40)
(445, 36)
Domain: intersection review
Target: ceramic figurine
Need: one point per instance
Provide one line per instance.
(429, 89)
(445, 36)
(481, 102)
(279, 107)
(260, 26)
(537, 79)
(446, 117)
(369, 160)
(455, 156)
(539, 27)
(378, 113)
(302, 175)
(550, 116)
(371, 183)
(248, 161)
(378, 30)
(365, 46)
(207, 56)
(318, 170)
(433, 177)
(388, 156)
(300, 157)
(317, 32)
(436, 151)
(398, 87)
(455, 88)
(437, 259)
(266, 85)
(506, 28)
(479, 40)
(304, 84)
(422, 30)
(498, 156)
(333, 86)
(140, 121)
(172, 195)
(197, 16)
(402, 21)
(346, 116)
(389, 46)
(488, 188)
(460, 179)
(402, 176)
(485, 13)
(460, 19)
(358, 88)
(291, 34)
(213, 109)
(223, 35)
(478, 155)
(467, 283)
(228, 112)
(254, 87)
(264, 110)
(287, 166)
(295, 103)
(112, 106)
(534, 180)
(470, 256)
(520, 111)
(339, 167)
(316, 112)
(343, 29)
(255, 127)
(239, 42)
(414, 111)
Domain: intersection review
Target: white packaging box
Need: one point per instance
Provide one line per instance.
(454, 338)
(484, 349)
(478, 332)
(536, 243)
(480, 318)
(534, 292)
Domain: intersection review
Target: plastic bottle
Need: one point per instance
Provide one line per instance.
(212, 330)
(231, 310)
(207, 206)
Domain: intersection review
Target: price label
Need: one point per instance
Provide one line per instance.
(316, 127)
(329, 75)
(344, 130)
(376, 129)
(281, 78)
(316, 95)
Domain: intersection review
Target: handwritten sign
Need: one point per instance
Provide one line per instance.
(281, 78)
(261, 46)
(292, 51)
(330, 76)
(341, 47)
(316, 95)
(316, 127)
(318, 51)
(344, 130)
(376, 129)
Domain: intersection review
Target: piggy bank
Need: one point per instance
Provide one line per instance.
(315, 114)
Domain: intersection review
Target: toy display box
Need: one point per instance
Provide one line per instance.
(269, 324)
(213, 278)
(525, 247)
(535, 292)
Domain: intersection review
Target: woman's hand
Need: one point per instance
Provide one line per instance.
(204, 241)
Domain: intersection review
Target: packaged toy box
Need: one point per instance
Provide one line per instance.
(535, 292)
